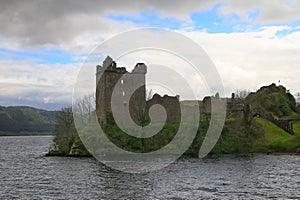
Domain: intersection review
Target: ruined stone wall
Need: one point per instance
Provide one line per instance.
(171, 105)
(206, 105)
(284, 124)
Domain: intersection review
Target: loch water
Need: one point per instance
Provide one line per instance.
(25, 173)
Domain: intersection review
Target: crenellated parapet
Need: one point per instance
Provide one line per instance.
(140, 68)
(110, 66)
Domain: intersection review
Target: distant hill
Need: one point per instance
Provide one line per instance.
(23, 119)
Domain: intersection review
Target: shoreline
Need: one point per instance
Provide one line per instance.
(193, 156)
(5, 134)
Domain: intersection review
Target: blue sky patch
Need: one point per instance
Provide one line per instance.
(48, 56)
(150, 19)
(210, 21)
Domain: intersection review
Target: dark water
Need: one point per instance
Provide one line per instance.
(26, 174)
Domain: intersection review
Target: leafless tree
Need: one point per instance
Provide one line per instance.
(242, 94)
(297, 95)
(149, 94)
(85, 107)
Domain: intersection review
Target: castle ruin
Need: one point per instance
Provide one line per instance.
(129, 90)
(126, 91)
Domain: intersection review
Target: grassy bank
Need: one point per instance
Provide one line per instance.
(263, 137)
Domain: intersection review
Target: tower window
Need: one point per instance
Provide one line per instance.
(123, 93)
(122, 82)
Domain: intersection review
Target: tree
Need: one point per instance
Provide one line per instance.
(298, 101)
(242, 94)
(297, 97)
(149, 94)
(85, 107)
(65, 130)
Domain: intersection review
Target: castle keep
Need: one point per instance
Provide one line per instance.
(129, 92)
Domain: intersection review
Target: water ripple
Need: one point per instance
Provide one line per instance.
(26, 174)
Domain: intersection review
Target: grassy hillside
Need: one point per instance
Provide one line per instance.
(264, 137)
(261, 135)
(275, 139)
(20, 119)
(274, 100)
(297, 128)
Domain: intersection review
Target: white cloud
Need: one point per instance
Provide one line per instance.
(246, 61)
(275, 11)
(73, 24)
(78, 24)
(38, 84)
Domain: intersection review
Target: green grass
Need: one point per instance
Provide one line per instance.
(272, 132)
(191, 102)
(276, 139)
(296, 126)
(265, 137)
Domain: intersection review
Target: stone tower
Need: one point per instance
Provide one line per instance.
(108, 76)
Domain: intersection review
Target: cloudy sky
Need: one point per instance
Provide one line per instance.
(44, 43)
